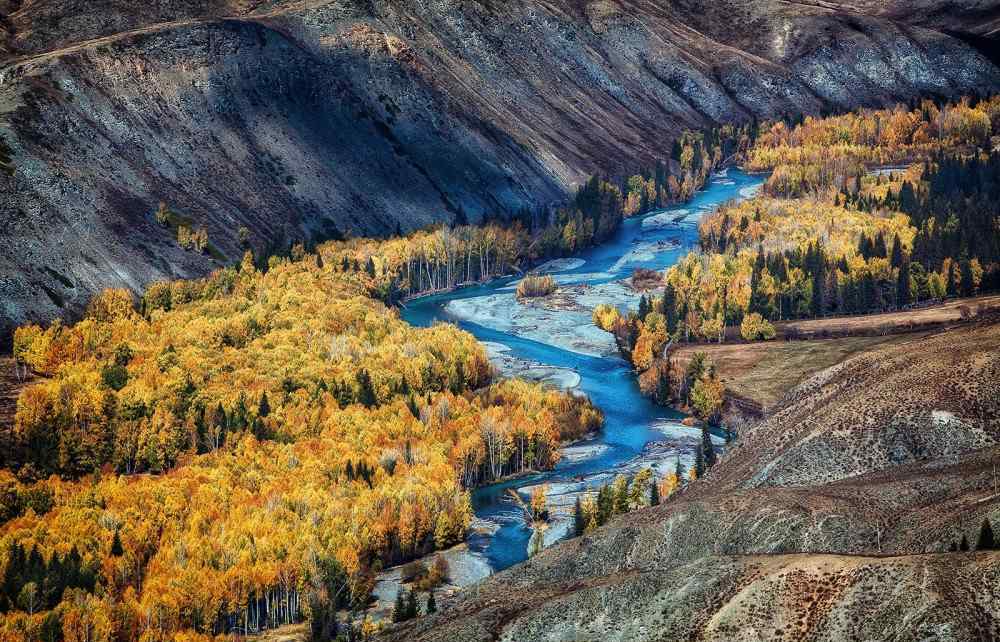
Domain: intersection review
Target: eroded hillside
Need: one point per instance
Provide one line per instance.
(311, 119)
(815, 526)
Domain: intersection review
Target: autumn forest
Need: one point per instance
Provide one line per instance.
(872, 211)
(234, 453)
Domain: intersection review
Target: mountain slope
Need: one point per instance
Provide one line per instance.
(315, 118)
(854, 549)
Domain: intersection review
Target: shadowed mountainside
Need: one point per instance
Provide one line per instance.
(829, 520)
(316, 118)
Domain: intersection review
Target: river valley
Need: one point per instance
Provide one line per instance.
(563, 347)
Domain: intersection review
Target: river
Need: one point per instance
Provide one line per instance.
(636, 433)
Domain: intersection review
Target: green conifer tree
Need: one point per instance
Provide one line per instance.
(399, 607)
(579, 523)
(987, 542)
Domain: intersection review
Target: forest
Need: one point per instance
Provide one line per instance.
(832, 234)
(444, 257)
(237, 452)
(229, 454)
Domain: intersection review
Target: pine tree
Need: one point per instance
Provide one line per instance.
(431, 604)
(880, 249)
(663, 385)
(903, 296)
(964, 544)
(399, 607)
(240, 415)
(116, 545)
(259, 429)
(679, 470)
(605, 505)
(986, 542)
(622, 498)
(818, 303)
(579, 523)
(366, 391)
(670, 308)
(699, 462)
(758, 300)
(411, 606)
(966, 277)
(707, 447)
(264, 408)
(654, 493)
(864, 249)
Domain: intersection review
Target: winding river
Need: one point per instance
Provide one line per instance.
(637, 433)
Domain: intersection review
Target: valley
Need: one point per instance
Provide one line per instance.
(599, 320)
(816, 521)
(868, 442)
(560, 339)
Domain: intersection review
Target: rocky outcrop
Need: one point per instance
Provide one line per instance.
(308, 119)
(815, 525)
(950, 598)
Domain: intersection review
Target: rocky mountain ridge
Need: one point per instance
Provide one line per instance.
(314, 118)
(811, 527)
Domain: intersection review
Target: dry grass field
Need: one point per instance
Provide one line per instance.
(763, 372)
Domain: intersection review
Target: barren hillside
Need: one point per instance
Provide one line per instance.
(315, 118)
(925, 399)
(828, 521)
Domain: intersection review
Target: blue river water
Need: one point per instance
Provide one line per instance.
(608, 381)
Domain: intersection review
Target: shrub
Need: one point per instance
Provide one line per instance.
(533, 286)
(413, 571)
(707, 397)
(646, 279)
(605, 315)
(436, 576)
(112, 304)
(756, 328)
(163, 214)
